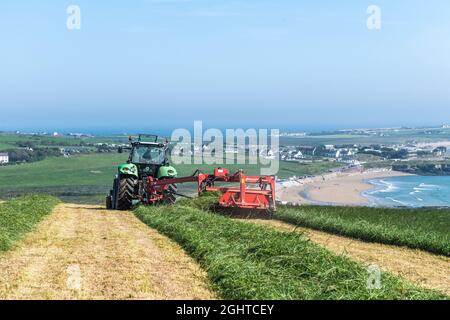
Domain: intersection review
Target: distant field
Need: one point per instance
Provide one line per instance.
(426, 229)
(10, 140)
(389, 138)
(286, 168)
(4, 146)
(88, 178)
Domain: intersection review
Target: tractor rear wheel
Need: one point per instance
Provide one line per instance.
(126, 192)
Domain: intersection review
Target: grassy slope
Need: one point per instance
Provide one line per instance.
(426, 229)
(19, 216)
(94, 169)
(246, 261)
(84, 178)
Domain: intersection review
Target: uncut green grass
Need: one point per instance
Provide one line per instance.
(246, 261)
(20, 215)
(425, 229)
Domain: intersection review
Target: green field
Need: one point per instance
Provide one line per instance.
(246, 261)
(426, 229)
(88, 178)
(20, 215)
(4, 146)
(78, 178)
(390, 137)
(10, 140)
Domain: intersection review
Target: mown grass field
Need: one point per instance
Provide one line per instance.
(88, 178)
(20, 215)
(425, 229)
(246, 261)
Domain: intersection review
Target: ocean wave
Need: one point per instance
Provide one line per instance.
(428, 185)
(416, 191)
(388, 186)
(425, 187)
(398, 201)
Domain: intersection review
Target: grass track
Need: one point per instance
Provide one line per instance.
(115, 254)
(425, 229)
(19, 216)
(247, 261)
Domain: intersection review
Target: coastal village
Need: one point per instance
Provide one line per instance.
(293, 148)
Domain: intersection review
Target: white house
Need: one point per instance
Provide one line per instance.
(4, 158)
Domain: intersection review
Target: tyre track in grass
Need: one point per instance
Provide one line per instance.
(418, 267)
(86, 252)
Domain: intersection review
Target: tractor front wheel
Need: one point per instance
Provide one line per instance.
(109, 202)
(126, 192)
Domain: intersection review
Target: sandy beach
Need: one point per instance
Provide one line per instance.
(339, 188)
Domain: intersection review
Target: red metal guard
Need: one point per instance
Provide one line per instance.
(260, 197)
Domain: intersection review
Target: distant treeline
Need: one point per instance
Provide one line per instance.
(387, 153)
(31, 155)
(31, 151)
(48, 142)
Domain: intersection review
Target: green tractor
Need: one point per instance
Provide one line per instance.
(147, 159)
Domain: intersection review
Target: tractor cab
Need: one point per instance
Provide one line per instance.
(148, 157)
(148, 154)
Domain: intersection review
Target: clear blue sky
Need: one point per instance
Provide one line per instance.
(144, 64)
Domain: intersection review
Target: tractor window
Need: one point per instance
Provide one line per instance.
(147, 155)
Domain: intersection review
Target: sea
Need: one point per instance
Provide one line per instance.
(410, 191)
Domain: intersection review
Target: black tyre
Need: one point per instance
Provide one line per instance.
(126, 192)
(108, 202)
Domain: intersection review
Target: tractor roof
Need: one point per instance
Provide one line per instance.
(155, 144)
(151, 139)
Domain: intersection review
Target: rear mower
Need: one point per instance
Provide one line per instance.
(148, 178)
